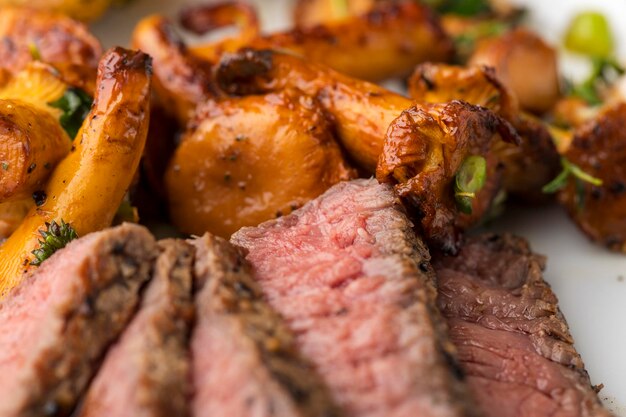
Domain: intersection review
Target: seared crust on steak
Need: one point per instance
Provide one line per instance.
(146, 373)
(55, 326)
(354, 284)
(245, 361)
(513, 342)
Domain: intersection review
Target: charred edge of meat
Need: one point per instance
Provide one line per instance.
(171, 394)
(501, 270)
(224, 276)
(88, 327)
(235, 72)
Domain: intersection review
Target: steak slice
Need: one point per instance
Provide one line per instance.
(244, 360)
(513, 341)
(56, 325)
(355, 286)
(146, 372)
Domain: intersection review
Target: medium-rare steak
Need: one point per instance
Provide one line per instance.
(513, 342)
(353, 282)
(146, 372)
(244, 360)
(56, 325)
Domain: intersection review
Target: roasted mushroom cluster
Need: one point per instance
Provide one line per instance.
(470, 98)
(74, 123)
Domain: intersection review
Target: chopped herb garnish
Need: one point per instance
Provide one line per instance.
(466, 42)
(126, 212)
(34, 51)
(461, 7)
(604, 72)
(569, 169)
(470, 178)
(75, 105)
(5, 166)
(55, 237)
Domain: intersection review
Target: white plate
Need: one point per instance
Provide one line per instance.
(590, 281)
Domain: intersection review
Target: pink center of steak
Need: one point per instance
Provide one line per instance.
(342, 271)
(57, 323)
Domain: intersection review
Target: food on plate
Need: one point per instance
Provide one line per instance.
(514, 344)
(238, 334)
(77, 9)
(353, 281)
(181, 80)
(425, 155)
(527, 167)
(362, 111)
(30, 35)
(183, 76)
(384, 42)
(87, 186)
(145, 371)
(33, 140)
(310, 13)
(597, 200)
(202, 18)
(55, 326)
(511, 55)
(11, 215)
(324, 303)
(246, 160)
(332, 305)
(32, 143)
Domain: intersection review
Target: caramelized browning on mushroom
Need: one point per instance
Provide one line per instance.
(599, 150)
(309, 13)
(252, 159)
(29, 35)
(526, 168)
(86, 188)
(32, 142)
(526, 64)
(181, 80)
(386, 41)
(361, 111)
(424, 149)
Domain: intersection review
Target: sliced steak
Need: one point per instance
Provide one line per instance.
(513, 341)
(244, 360)
(55, 326)
(354, 284)
(146, 372)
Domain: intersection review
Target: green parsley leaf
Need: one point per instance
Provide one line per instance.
(461, 7)
(569, 169)
(75, 105)
(604, 71)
